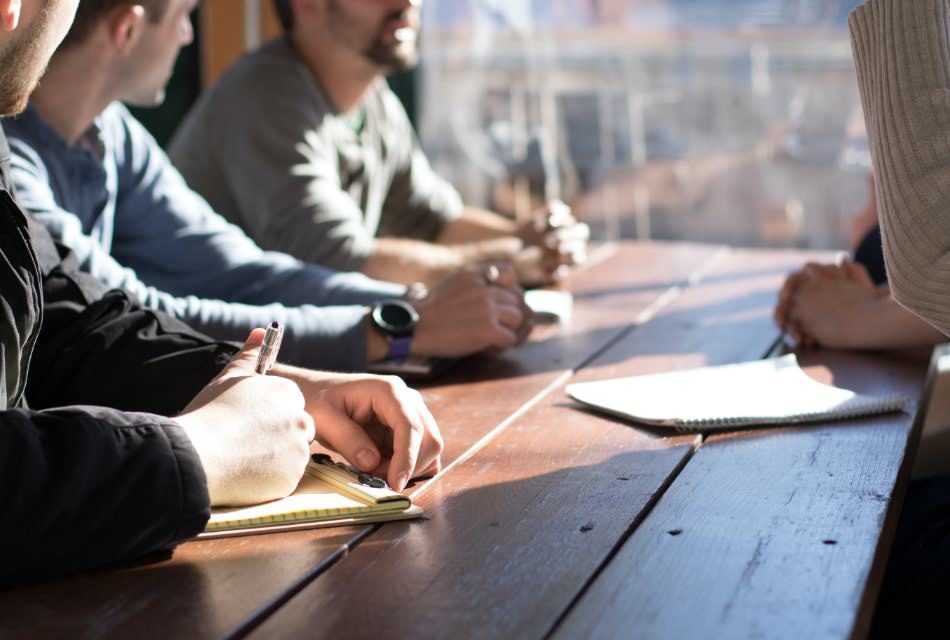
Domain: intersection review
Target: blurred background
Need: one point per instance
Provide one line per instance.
(730, 121)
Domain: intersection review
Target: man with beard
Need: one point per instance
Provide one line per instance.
(119, 426)
(91, 173)
(339, 178)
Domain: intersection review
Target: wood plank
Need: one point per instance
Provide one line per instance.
(517, 530)
(482, 392)
(212, 587)
(768, 533)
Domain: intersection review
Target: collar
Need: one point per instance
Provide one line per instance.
(91, 141)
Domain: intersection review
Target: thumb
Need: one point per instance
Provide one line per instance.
(245, 360)
(859, 274)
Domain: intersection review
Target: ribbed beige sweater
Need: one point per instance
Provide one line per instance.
(902, 54)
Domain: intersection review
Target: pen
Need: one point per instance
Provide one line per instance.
(270, 347)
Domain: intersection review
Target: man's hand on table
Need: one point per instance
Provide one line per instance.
(478, 308)
(377, 423)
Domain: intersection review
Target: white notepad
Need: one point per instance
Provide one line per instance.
(763, 392)
(549, 305)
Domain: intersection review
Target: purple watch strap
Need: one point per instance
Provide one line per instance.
(399, 348)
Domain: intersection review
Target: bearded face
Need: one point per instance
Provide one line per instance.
(24, 56)
(387, 38)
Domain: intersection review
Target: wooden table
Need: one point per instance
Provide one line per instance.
(550, 521)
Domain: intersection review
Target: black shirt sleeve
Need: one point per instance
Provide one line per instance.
(99, 347)
(83, 485)
(86, 486)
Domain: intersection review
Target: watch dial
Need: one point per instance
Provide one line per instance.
(396, 316)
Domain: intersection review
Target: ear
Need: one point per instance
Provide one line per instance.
(126, 23)
(9, 14)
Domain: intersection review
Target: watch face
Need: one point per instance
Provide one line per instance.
(395, 317)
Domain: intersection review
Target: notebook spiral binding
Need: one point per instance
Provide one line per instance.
(881, 405)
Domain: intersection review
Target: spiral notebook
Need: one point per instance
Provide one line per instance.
(764, 392)
(329, 494)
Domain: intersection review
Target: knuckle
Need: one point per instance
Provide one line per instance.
(394, 384)
(438, 443)
(303, 422)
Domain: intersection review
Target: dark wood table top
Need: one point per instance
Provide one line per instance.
(550, 520)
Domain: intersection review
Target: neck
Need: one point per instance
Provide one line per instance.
(74, 90)
(345, 75)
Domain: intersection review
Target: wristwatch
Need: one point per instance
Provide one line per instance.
(396, 320)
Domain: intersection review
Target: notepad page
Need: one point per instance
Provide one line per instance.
(758, 392)
(314, 499)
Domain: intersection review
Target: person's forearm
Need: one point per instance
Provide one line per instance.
(901, 52)
(475, 225)
(891, 326)
(409, 261)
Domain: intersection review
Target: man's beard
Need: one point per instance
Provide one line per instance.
(397, 56)
(21, 66)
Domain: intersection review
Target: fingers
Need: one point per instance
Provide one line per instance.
(565, 246)
(417, 443)
(245, 360)
(339, 432)
(288, 396)
(505, 277)
(858, 274)
(567, 236)
(510, 317)
(785, 296)
(351, 414)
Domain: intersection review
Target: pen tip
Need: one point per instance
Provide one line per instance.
(275, 325)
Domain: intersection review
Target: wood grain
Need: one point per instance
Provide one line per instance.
(210, 588)
(770, 533)
(519, 529)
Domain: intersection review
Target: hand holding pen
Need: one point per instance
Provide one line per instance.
(251, 432)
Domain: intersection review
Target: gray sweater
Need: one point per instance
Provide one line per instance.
(902, 55)
(269, 150)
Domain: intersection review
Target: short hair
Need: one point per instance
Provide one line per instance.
(285, 13)
(91, 11)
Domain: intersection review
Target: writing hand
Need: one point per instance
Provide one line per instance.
(251, 432)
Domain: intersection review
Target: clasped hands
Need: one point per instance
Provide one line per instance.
(827, 304)
(553, 241)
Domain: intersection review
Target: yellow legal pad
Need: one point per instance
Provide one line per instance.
(329, 494)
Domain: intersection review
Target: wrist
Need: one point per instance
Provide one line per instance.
(376, 344)
(395, 322)
(193, 427)
(491, 250)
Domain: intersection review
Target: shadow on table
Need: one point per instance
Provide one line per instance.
(199, 590)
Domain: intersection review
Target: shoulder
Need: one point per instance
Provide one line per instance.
(30, 145)
(270, 74)
(28, 130)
